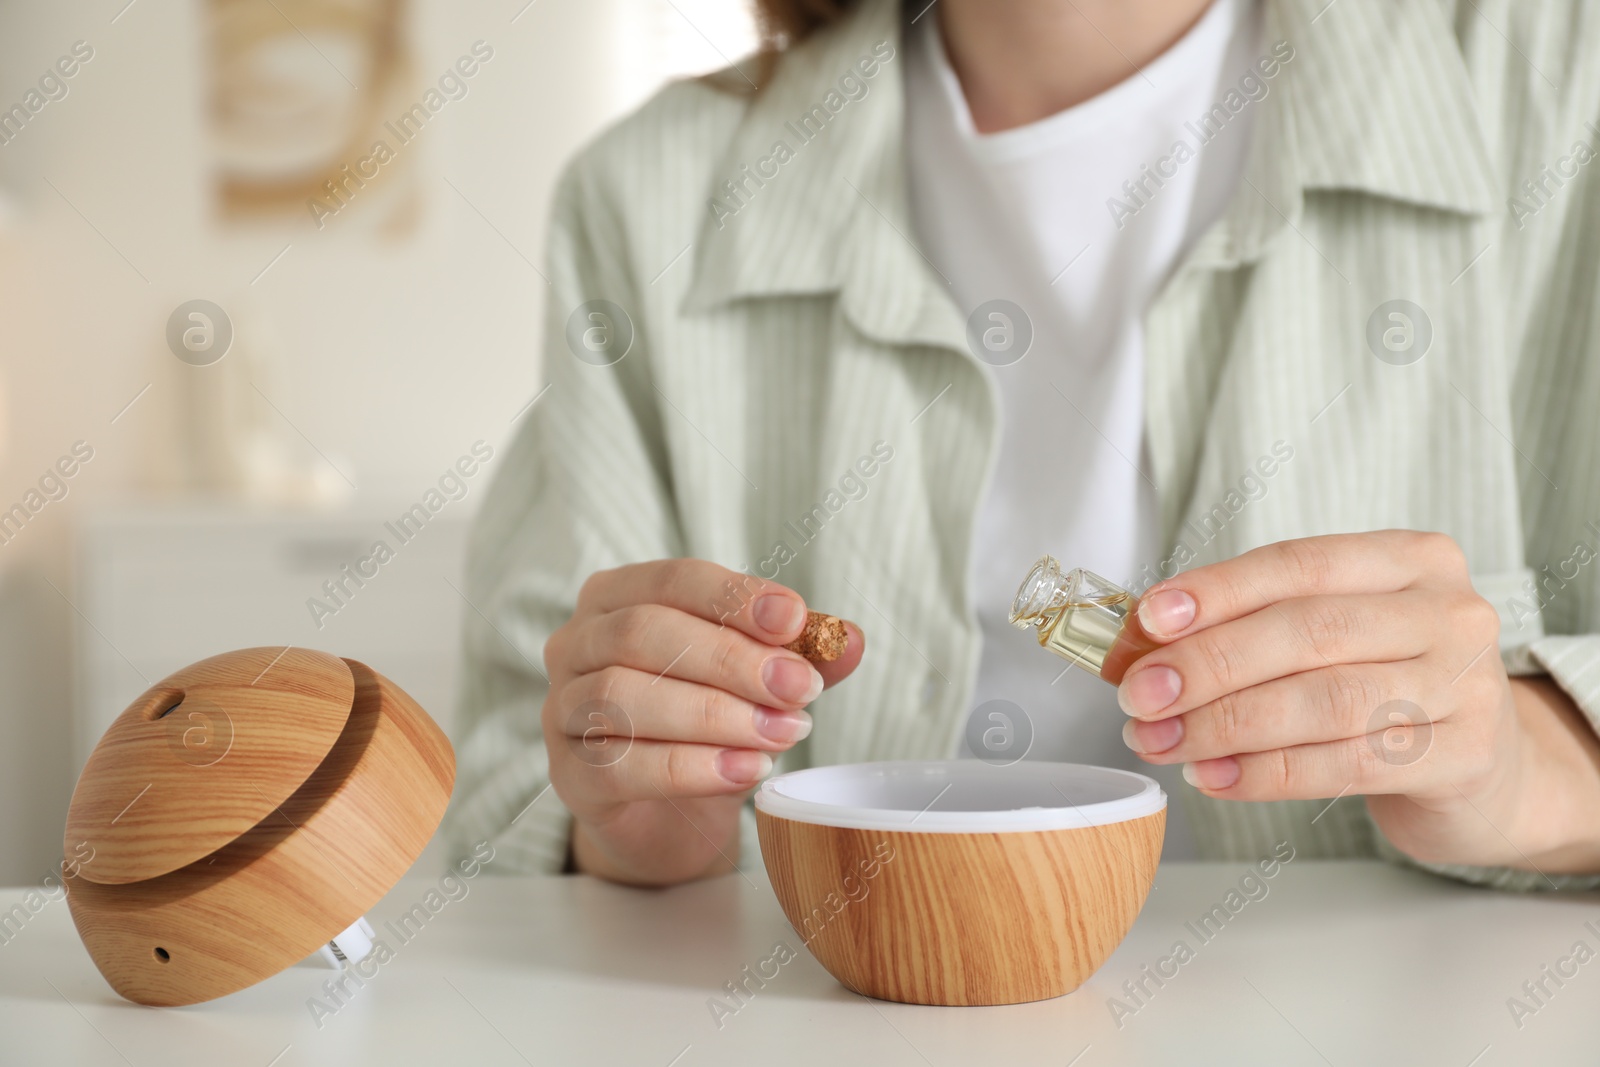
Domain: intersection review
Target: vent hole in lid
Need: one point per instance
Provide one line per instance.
(159, 703)
(162, 954)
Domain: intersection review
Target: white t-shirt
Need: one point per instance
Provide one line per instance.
(1077, 219)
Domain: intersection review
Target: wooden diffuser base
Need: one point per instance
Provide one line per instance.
(958, 918)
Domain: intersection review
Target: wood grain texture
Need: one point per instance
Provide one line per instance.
(961, 919)
(283, 887)
(250, 728)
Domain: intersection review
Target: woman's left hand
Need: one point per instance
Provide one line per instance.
(1361, 664)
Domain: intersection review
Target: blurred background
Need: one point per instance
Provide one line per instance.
(268, 271)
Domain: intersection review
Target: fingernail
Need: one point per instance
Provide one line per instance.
(742, 765)
(778, 614)
(1167, 612)
(791, 679)
(784, 727)
(1149, 738)
(1212, 773)
(1148, 690)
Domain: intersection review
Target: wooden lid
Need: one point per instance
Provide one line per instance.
(201, 757)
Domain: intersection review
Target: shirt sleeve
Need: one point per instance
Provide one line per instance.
(1550, 618)
(581, 488)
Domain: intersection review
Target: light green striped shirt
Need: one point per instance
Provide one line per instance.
(784, 324)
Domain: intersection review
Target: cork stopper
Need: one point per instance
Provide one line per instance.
(823, 640)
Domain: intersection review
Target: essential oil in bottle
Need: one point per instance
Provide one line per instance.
(1082, 618)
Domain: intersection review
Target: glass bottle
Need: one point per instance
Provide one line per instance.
(1082, 618)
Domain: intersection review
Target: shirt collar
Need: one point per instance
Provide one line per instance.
(827, 209)
(1376, 99)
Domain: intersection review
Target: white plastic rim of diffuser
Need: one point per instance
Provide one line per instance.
(961, 796)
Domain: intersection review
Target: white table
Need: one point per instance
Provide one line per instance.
(1341, 963)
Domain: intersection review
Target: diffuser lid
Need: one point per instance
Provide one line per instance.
(232, 736)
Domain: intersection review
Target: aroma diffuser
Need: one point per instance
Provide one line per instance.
(243, 814)
(960, 882)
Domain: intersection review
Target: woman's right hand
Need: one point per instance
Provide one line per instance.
(669, 692)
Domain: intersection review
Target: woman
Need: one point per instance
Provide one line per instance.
(1281, 306)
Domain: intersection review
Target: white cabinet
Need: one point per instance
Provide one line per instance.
(160, 587)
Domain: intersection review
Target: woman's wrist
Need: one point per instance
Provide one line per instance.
(1556, 803)
(589, 856)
